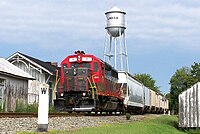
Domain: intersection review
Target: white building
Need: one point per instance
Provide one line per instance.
(43, 72)
(13, 86)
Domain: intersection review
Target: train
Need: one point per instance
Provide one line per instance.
(88, 84)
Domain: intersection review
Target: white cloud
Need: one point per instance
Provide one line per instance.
(47, 21)
(47, 28)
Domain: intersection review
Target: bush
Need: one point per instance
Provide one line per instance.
(20, 106)
(32, 108)
(128, 116)
(1, 110)
(51, 109)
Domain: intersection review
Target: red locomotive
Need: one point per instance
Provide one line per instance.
(88, 84)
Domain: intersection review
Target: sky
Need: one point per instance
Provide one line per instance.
(161, 36)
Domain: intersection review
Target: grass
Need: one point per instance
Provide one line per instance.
(160, 125)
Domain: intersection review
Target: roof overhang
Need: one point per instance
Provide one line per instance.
(32, 62)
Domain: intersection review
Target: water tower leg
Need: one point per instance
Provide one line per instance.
(110, 47)
(121, 51)
(126, 53)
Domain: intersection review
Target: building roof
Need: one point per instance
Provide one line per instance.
(9, 69)
(46, 66)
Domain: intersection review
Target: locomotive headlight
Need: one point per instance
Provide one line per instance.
(61, 94)
(84, 94)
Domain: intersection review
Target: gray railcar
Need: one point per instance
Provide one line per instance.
(133, 92)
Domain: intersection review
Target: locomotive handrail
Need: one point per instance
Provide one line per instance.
(91, 87)
(94, 84)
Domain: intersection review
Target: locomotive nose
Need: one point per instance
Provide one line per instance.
(72, 101)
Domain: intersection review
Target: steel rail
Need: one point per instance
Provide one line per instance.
(58, 114)
(29, 115)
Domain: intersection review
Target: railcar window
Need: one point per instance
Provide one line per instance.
(95, 66)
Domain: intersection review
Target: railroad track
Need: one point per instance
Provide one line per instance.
(29, 115)
(24, 115)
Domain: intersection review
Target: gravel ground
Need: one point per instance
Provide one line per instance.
(13, 125)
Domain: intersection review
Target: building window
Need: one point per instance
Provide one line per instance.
(2, 82)
(2, 88)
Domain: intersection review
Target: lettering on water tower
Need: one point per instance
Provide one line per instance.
(109, 18)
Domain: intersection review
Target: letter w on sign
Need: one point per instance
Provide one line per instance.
(43, 90)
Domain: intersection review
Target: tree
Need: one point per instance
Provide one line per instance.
(168, 97)
(148, 81)
(180, 81)
(195, 71)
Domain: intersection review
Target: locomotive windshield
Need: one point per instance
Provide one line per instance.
(83, 65)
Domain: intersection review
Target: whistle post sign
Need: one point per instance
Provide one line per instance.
(43, 108)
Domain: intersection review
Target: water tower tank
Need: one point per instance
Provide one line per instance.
(115, 23)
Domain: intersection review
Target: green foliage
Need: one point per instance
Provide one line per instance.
(179, 82)
(4, 106)
(20, 106)
(32, 108)
(168, 97)
(148, 81)
(128, 116)
(195, 70)
(183, 79)
(1, 110)
(51, 109)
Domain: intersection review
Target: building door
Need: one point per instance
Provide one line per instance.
(2, 88)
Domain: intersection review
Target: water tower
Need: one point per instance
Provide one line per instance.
(115, 50)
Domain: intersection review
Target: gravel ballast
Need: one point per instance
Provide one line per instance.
(13, 125)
